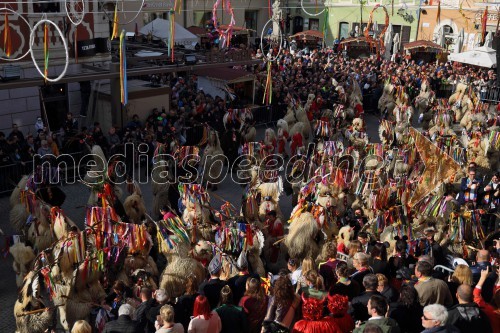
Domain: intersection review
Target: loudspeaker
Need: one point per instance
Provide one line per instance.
(190, 59)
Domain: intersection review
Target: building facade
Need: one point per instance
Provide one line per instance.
(455, 16)
(22, 106)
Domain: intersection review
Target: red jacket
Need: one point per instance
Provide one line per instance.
(492, 313)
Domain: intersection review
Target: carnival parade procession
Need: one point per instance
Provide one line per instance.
(248, 176)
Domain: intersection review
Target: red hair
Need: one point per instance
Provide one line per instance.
(202, 307)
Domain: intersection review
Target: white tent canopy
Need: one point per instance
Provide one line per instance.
(481, 56)
(160, 28)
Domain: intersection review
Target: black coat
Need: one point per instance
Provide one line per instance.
(124, 324)
(409, 318)
(141, 315)
(359, 304)
(468, 318)
(211, 290)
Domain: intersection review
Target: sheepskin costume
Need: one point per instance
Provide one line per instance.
(298, 114)
(173, 278)
(17, 217)
(346, 234)
(26, 301)
(212, 160)
(270, 193)
(460, 103)
(15, 196)
(135, 208)
(356, 134)
(39, 231)
(476, 152)
(78, 304)
(23, 258)
(304, 238)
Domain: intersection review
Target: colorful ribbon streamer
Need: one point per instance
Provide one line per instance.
(46, 49)
(123, 70)
(115, 33)
(268, 92)
(7, 44)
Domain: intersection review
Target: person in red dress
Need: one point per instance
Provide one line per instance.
(338, 306)
(313, 320)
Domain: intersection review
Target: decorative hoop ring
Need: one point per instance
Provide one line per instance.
(32, 40)
(123, 23)
(69, 16)
(305, 11)
(262, 37)
(27, 23)
(382, 33)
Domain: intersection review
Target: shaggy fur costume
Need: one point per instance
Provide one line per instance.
(304, 238)
(35, 323)
(135, 208)
(213, 159)
(173, 278)
(23, 258)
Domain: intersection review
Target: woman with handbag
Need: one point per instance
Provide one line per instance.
(282, 306)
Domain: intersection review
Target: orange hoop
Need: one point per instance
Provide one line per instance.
(382, 33)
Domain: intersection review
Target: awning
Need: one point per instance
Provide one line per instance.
(423, 44)
(482, 57)
(309, 33)
(229, 75)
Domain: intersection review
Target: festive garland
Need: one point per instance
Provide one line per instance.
(8, 10)
(381, 48)
(225, 34)
(32, 41)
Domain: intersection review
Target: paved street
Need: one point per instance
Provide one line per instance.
(76, 198)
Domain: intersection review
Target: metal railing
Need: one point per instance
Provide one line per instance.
(489, 94)
(268, 114)
(11, 174)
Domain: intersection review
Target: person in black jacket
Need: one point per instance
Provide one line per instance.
(232, 317)
(407, 311)
(466, 315)
(143, 324)
(359, 304)
(211, 288)
(124, 323)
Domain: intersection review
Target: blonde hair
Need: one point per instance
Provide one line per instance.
(462, 275)
(354, 247)
(167, 313)
(307, 265)
(382, 279)
(313, 277)
(81, 326)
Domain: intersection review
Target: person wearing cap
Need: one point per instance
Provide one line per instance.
(211, 288)
(429, 246)
(238, 283)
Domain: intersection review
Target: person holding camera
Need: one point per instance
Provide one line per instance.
(469, 189)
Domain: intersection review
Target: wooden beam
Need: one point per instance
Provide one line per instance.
(37, 82)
